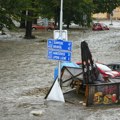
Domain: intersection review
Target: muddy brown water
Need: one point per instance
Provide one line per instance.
(26, 75)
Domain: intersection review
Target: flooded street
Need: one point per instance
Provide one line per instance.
(26, 75)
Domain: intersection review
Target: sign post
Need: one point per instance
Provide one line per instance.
(61, 19)
(57, 34)
(59, 50)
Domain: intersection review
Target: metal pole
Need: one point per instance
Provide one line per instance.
(61, 19)
(111, 19)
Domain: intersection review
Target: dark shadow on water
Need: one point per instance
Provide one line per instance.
(73, 97)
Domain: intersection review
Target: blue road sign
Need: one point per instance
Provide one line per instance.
(59, 45)
(59, 55)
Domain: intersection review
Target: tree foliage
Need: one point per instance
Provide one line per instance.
(50, 9)
(74, 10)
(77, 11)
(11, 10)
(105, 5)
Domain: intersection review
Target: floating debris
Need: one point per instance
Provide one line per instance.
(37, 112)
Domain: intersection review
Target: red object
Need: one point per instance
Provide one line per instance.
(114, 98)
(99, 26)
(41, 26)
(105, 70)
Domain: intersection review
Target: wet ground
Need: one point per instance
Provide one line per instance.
(26, 75)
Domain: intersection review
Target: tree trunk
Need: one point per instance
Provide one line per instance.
(28, 34)
(22, 22)
(57, 17)
(34, 14)
(68, 25)
(35, 21)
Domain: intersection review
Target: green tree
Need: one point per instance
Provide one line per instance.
(50, 9)
(31, 8)
(105, 5)
(27, 11)
(24, 11)
(73, 11)
(9, 11)
(78, 12)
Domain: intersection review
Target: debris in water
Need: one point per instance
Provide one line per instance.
(37, 112)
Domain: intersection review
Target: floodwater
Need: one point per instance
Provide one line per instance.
(26, 75)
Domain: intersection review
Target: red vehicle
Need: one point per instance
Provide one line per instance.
(41, 26)
(99, 26)
(105, 70)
